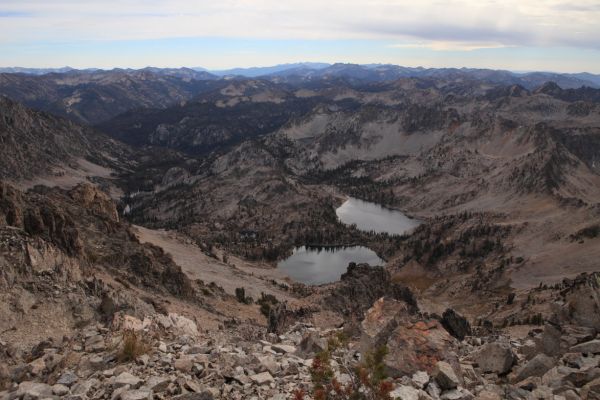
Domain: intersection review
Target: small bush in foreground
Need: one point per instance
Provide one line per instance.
(132, 347)
(368, 380)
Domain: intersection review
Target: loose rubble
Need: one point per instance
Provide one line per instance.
(181, 363)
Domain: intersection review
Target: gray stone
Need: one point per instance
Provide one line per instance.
(126, 378)
(593, 347)
(311, 344)
(33, 390)
(262, 378)
(68, 378)
(157, 383)
(83, 387)
(550, 342)
(136, 395)
(37, 367)
(445, 376)
(420, 379)
(405, 393)
(97, 362)
(95, 344)
(495, 357)
(269, 363)
(283, 348)
(184, 364)
(457, 394)
(433, 389)
(470, 376)
(162, 347)
(193, 386)
(537, 366)
(143, 359)
(60, 390)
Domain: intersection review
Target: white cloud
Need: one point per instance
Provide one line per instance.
(449, 46)
(441, 25)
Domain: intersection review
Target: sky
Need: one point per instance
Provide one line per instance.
(518, 35)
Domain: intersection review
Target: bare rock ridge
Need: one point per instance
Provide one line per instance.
(36, 143)
(54, 238)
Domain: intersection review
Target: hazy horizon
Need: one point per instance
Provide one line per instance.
(236, 67)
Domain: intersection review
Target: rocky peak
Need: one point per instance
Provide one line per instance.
(95, 201)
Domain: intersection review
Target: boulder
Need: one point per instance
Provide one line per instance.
(445, 376)
(283, 348)
(60, 390)
(495, 357)
(262, 378)
(591, 347)
(83, 387)
(379, 323)
(95, 344)
(550, 341)
(420, 379)
(470, 377)
(136, 395)
(270, 364)
(537, 366)
(184, 364)
(126, 378)
(405, 393)
(311, 344)
(183, 325)
(37, 366)
(157, 383)
(591, 390)
(417, 345)
(579, 377)
(68, 378)
(455, 324)
(33, 390)
(457, 394)
(579, 334)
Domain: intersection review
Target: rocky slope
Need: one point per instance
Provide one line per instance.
(40, 144)
(427, 357)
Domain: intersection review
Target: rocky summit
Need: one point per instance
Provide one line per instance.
(144, 215)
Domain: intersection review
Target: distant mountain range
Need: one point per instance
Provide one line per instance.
(301, 72)
(254, 72)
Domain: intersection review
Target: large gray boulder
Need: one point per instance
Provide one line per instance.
(537, 366)
(311, 344)
(550, 341)
(445, 376)
(495, 357)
